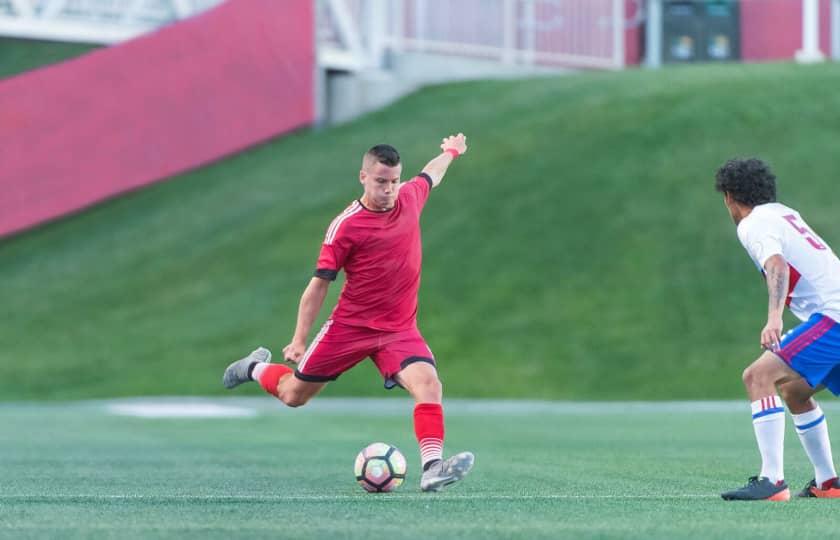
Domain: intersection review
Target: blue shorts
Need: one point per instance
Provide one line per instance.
(812, 349)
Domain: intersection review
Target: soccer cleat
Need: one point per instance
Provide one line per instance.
(445, 472)
(237, 373)
(759, 489)
(828, 490)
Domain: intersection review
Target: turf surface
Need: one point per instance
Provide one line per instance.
(73, 470)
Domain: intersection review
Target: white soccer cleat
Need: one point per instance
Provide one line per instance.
(447, 471)
(237, 372)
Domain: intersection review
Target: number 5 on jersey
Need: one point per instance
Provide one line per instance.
(791, 218)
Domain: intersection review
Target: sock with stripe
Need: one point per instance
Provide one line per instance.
(813, 433)
(268, 375)
(769, 425)
(428, 427)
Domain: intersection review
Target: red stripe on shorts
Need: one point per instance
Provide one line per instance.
(805, 339)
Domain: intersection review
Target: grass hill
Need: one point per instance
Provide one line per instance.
(17, 56)
(578, 251)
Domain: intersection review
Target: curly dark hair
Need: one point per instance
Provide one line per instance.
(385, 154)
(747, 180)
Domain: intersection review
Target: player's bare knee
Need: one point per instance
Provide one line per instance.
(293, 398)
(430, 390)
(749, 376)
(435, 388)
(757, 378)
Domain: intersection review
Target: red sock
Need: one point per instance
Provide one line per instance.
(428, 426)
(271, 375)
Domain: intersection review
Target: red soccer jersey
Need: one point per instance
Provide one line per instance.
(381, 254)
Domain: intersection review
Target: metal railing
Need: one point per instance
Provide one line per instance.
(584, 33)
(92, 21)
(577, 33)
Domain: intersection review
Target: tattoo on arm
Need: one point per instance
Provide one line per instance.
(777, 284)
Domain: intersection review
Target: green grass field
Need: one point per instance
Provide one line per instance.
(543, 470)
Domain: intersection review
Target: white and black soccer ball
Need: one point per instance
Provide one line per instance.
(380, 467)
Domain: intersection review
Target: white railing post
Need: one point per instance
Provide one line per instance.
(374, 24)
(810, 52)
(835, 29)
(509, 21)
(618, 33)
(53, 8)
(23, 8)
(529, 31)
(420, 23)
(653, 34)
(347, 30)
(396, 29)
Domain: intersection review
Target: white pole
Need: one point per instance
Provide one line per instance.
(397, 27)
(420, 23)
(835, 29)
(23, 8)
(653, 34)
(374, 25)
(509, 31)
(529, 34)
(618, 33)
(810, 52)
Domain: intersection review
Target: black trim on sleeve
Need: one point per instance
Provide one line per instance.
(428, 179)
(326, 273)
(314, 378)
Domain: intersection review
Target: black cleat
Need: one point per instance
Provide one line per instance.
(759, 489)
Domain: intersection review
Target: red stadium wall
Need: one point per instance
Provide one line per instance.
(772, 29)
(123, 117)
(633, 35)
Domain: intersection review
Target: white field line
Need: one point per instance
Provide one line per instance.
(207, 407)
(401, 406)
(367, 498)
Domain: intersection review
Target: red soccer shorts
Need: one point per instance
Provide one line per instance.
(338, 347)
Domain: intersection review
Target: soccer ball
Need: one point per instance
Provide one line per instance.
(380, 467)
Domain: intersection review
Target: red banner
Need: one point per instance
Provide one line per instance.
(123, 117)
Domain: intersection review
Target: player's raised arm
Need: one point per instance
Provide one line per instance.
(778, 277)
(452, 147)
(310, 305)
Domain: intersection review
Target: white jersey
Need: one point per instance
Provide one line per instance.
(774, 229)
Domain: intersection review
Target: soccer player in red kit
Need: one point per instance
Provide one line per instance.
(376, 241)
